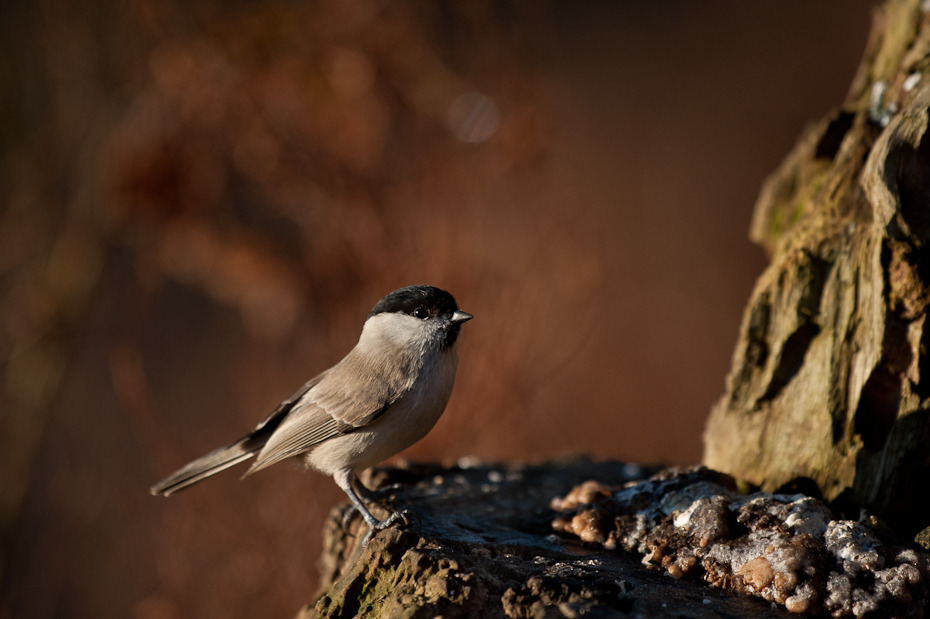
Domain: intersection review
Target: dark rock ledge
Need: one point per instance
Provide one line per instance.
(588, 539)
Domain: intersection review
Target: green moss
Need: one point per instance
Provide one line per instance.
(375, 591)
(359, 594)
(804, 199)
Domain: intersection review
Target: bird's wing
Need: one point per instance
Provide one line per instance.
(271, 423)
(322, 413)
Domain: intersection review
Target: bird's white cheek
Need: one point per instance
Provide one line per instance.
(394, 330)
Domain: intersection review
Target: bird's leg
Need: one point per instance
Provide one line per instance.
(345, 480)
(366, 493)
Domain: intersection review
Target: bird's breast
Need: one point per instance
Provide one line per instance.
(408, 420)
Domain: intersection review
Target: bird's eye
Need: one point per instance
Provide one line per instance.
(421, 312)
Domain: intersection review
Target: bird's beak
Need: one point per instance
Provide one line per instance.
(458, 317)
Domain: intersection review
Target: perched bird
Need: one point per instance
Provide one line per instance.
(384, 396)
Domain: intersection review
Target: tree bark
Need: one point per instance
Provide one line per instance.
(830, 378)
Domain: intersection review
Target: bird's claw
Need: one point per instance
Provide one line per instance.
(394, 517)
(373, 523)
(379, 525)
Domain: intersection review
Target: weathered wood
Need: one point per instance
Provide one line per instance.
(480, 543)
(578, 538)
(830, 378)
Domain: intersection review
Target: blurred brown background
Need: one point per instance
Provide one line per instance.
(202, 200)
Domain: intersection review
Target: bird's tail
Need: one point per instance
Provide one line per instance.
(205, 466)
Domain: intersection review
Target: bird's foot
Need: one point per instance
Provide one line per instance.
(377, 525)
(347, 516)
(373, 523)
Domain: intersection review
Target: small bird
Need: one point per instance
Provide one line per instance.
(384, 396)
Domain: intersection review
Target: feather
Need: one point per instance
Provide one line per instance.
(205, 466)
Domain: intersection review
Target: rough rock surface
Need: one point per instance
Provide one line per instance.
(480, 542)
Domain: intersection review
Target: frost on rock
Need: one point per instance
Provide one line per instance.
(786, 549)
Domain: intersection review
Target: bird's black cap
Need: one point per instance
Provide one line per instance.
(407, 300)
